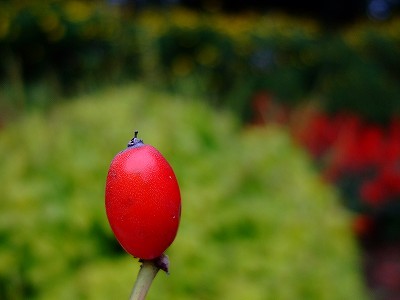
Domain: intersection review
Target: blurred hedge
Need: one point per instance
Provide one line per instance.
(52, 48)
(257, 222)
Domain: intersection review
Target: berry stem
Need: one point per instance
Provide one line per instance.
(147, 273)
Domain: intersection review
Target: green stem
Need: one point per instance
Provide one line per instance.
(147, 273)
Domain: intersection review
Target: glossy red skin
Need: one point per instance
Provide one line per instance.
(143, 202)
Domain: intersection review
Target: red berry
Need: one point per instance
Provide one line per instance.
(143, 202)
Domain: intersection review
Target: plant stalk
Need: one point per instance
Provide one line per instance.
(147, 273)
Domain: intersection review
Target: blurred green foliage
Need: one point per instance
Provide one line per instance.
(257, 221)
(54, 48)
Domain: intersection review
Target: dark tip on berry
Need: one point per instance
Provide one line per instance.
(162, 262)
(135, 142)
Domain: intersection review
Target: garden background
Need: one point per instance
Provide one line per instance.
(283, 130)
